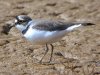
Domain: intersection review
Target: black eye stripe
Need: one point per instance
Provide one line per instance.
(22, 19)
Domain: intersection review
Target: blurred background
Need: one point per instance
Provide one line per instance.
(76, 54)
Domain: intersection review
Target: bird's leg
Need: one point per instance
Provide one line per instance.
(46, 46)
(52, 47)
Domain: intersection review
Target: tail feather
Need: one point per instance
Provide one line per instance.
(87, 24)
(76, 25)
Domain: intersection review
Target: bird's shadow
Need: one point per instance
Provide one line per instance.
(6, 29)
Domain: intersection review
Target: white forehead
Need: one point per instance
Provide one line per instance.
(16, 21)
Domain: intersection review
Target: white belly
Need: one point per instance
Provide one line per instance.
(43, 37)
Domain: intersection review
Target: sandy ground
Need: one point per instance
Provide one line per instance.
(76, 54)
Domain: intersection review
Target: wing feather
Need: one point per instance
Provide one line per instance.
(55, 25)
(51, 25)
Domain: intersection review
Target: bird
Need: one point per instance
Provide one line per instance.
(44, 32)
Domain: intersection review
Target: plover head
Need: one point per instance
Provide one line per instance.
(22, 21)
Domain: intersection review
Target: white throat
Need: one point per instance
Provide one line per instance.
(22, 27)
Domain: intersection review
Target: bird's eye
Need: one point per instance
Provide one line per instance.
(21, 21)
